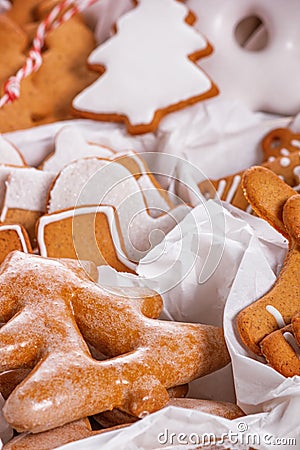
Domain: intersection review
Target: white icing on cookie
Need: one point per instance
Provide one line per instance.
(105, 209)
(93, 181)
(285, 152)
(295, 143)
(23, 188)
(292, 341)
(235, 69)
(156, 202)
(19, 232)
(235, 184)
(285, 162)
(249, 209)
(277, 315)
(9, 154)
(147, 64)
(271, 158)
(221, 188)
(232, 190)
(70, 145)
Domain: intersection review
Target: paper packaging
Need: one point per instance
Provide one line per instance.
(252, 256)
(211, 135)
(240, 242)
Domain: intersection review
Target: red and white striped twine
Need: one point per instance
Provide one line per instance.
(34, 60)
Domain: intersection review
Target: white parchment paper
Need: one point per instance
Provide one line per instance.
(219, 138)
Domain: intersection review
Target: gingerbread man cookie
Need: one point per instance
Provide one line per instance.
(230, 189)
(42, 330)
(276, 202)
(280, 142)
(47, 94)
(282, 352)
(148, 62)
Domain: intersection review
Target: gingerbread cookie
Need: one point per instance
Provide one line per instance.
(229, 188)
(280, 142)
(89, 233)
(23, 196)
(276, 202)
(9, 154)
(222, 409)
(13, 237)
(47, 94)
(70, 146)
(13, 44)
(94, 181)
(280, 350)
(119, 323)
(51, 439)
(22, 12)
(147, 62)
(10, 379)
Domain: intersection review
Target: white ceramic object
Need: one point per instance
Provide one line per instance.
(265, 80)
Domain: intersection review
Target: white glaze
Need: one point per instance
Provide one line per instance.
(19, 232)
(23, 188)
(147, 65)
(285, 152)
(9, 154)
(94, 181)
(249, 209)
(295, 143)
(292, 341)
(285, 162)
(264, 80)
(71, 145)
(221, 188)
(61, 215)
(277, 315)
(232, 190)
(235, 184)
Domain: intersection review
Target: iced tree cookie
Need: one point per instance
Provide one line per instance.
(147, 68)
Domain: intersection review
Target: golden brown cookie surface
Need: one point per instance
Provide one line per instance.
(46, 95)
(43, 332)
(262, 324)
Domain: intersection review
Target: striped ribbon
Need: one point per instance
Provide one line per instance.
(34, 59)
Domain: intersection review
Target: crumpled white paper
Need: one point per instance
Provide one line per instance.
(194, 268)
(252, 256)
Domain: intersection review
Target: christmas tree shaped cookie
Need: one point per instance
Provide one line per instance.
(148, 68)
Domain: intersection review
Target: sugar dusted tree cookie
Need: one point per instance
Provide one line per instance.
(148, 68)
